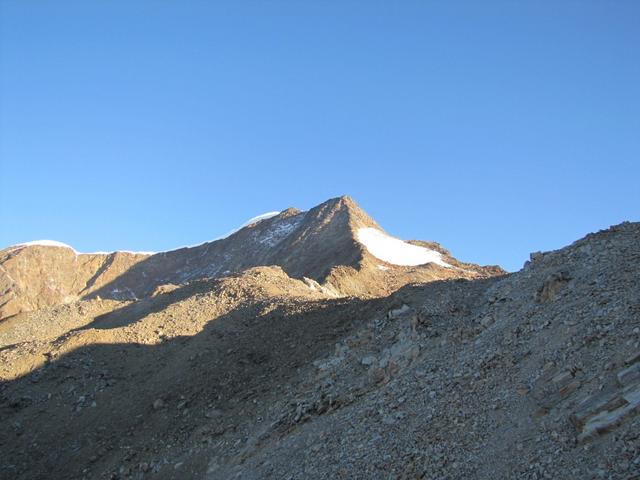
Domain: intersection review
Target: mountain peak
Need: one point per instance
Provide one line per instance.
(290, 212)
(346, 209)
(335, 243)
(344, 201)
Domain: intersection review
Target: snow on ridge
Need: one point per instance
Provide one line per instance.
(117, 251)
(281, 230)
(44, 243)
(251, 221)
(395, 251)
(55, 243)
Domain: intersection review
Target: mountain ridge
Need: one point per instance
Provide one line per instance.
(320, 244)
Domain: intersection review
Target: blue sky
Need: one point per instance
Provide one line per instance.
(496, 128)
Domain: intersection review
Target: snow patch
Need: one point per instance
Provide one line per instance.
(117, 251)
(395, 251)
(251, 221)
(45, 243)
(54, 243)
(280, 231)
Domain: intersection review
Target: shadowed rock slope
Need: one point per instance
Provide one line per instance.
(320, 244)
(258, 375)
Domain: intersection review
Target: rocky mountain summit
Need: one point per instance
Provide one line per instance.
(270, 367)
(321, 244)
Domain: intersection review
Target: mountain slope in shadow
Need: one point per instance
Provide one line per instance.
(260, 376)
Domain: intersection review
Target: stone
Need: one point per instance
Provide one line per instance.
(606, 420)
(551, 287)
(592, 405)
(213, 413)
(562, 378)
(368, 360)
(633, 358)
(569, 389)
(630, 375)
(486, 321)
(398, 312)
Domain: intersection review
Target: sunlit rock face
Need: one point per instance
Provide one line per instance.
(335, 243)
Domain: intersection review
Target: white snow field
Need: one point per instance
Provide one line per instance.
(395, 251)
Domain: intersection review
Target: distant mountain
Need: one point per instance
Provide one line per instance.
(336, 246)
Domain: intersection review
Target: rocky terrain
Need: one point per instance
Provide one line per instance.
(335, 369)
(320, 244)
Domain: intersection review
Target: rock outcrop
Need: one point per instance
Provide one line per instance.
(38, 276)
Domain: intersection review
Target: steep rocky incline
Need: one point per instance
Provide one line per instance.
(38, 276)
(323, 244)
(533, 375)
(258, 375)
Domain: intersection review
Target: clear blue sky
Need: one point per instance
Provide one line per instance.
(496, 128)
